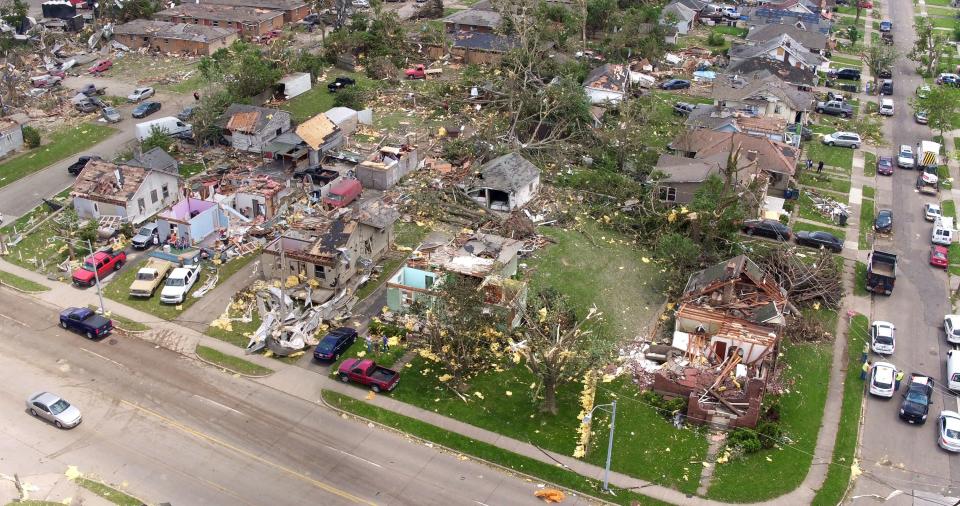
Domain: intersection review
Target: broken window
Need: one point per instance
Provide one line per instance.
(166, 192)
(318, 271)
(142, 205)
(668, 194)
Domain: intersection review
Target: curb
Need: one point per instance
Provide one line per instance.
(225, 368)
(26, 292)
(435, 445)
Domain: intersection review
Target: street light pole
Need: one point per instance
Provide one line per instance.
(96, 275)
(613, 422)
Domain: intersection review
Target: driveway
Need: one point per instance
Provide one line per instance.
(896, 455)
(24, 194)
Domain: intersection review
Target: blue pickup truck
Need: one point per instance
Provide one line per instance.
(85, 321)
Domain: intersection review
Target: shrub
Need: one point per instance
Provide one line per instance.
(31, 136)
(744, 440)
(716, 39)
(666, 407)
(380, 328)
(353, 97)
(770, 433)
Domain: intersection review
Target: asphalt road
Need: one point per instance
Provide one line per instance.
(172, 430)
(24, 194)
(897, 455)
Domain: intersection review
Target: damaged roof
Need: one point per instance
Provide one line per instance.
(216, 12)
(608, 77)
(509, 173)
(98, 181)
(770, 88)
(249, 119)
(811, 39)
(770, 156)
(733, 269)
(282, 5)
(261, 185)
(475, 255)
(377, 214)
(786, 42)
(168, 30)
(483, 41)
(156, 159)
(475, 17)
(317, 130)
(759, 68)
(330, 235)
(681, 169)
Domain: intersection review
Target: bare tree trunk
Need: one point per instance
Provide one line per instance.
(549, 397)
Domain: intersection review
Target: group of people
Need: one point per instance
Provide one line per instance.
(819, 165)
(867, 365)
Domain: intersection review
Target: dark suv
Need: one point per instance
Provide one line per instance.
(917, 400)
(335, 343)
(81, 162)
(849, 74)
(767, 228)
(886, 87)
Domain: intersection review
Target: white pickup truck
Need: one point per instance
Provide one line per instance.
(179, 283)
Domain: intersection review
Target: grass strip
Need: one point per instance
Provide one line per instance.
(869, 192)
(866, 223)
(109, 493)
(860, 281)
(485, 451)
(122, 322)
(869, 164)
(21, 283)
(63, 143)
(948, 208)
(231, 363)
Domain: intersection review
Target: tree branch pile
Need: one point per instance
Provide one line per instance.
(804, 278)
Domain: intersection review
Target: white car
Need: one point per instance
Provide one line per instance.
(951, 326)
(949, 427)
(883, 339)
(905, 157)
(882, 379)
(360, 3)
(931, 212)
(140, 94)
(178, 284)
(843, 139)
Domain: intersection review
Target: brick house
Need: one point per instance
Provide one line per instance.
(293, 10)
(171, 37)
(248, 21)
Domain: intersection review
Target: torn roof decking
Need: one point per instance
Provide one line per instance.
(324, 250)
(474, 255)
(317, 130)
(718, 324)
(732, 270)
(98, 182)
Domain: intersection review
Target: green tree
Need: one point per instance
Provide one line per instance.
(131, 9)
(556, 346)
(928, 47)
(880, 57)
(598, 14)
(354, 97)
(942, 105)
(31, 136)
(13, 13)
(243, 69)
(158, 139)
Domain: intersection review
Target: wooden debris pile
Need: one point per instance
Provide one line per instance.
(807, 277)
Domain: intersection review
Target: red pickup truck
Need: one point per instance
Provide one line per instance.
(103, 262)
(367, 372)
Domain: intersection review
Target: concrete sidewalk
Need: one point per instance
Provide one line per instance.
(307, 385)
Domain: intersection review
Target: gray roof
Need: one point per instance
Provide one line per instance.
(507, 173)
(763, 49)
(155, 159)
(178, 31)
(702, 116)
(811, 39)
(377, 214)
(680, 169)
(759, 68)
(282, 5)
(609, 77)
(475, 17)
(681, 11)
(738, 265)
(696, 5)
(741, 89)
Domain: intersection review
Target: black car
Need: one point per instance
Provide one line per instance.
(81, 162)
(886, 87)
(310, 20)
(917, 400)
(847, 73)
(884, 221)
(683, 108)
(186, 113)
(145, 109)
(340, 83)
(820, 239)
(805, 133)
(335, 343)
(675, 84)
(885, 74)
(767, 228)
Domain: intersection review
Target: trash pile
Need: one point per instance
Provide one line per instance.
(836, 211)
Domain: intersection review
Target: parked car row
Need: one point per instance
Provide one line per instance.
(774, 229)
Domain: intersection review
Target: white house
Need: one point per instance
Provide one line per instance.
(11, 136)
(133, 193)
(250, 128)
(679, 17)
(607, 84)
(504, 184)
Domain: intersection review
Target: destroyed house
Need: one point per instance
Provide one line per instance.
(132, 193)
(248, 21)
(174, 37)
(607, 84)
(490, 261)
(320, 134)
(765, 96)
(155, 159)
(782, 48)
(293, 10)
(813, 40)
(250, 128)
(191, 221)
(740, 287)
(386, 166)
(262, 196)
(682, 177)
(503, 184)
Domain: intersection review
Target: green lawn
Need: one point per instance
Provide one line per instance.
(826, 181)
(830, 155)
(109, 493)
(869, 192)
(948, 208)
(770, 473)
(731, 30)
(838, 475)
(846, 62)
(956, 143)
(860, 281)
(869, 164)
(189, 85)
(490, 453)
(231, 363)
(809, 212)
(21, 283)
(63, 143)
(944, 173)
(667, 456)
(866, 223)
(389, 266)
(121, 322)
(810, 227)
(942, 22)
(236, 333)
(318, 99)
(940, 3)
(359, 350)
(410, 235)
(947, 12)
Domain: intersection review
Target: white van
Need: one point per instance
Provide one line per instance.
(169, 124)
(953, 370)
(886, 107)
(942, 231)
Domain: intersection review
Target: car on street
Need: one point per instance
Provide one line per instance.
(886, 25)
(951, 327)
(339, 83)
(949, 79)
(805, 133)
(917, 400)
(883, 379)
(54, 409)
(905, 157)
(939, 256)
(98, 266)
(145, 109)
(885, 165)
(100, 66)
(85, 321)
(820, 240)
(948, 423)
(883, 337)
(335, 343)
(178, 284)
(923, 91)
(920, 117)
(111, 114)
(766, 228)
(931, 211)
(81, 162)
(883, 223)
(186, 113)
(843, 139)
(140, 94)
(675, 84)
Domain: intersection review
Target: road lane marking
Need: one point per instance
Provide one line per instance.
(354, 456)
(211, 401)
(112, 361)
(15, 320)
(210, 439)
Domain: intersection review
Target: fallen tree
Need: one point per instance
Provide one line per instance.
(807, 277)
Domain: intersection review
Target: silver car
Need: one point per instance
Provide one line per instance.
(843, 139)
(52, 408)
(949, 431)
(110, 114)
